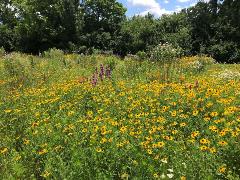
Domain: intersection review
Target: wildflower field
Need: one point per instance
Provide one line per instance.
(100, 117)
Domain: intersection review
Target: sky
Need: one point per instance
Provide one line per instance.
(156, 7)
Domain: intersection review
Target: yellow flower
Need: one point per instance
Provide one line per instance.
(209, 104)
(110, 140)
(183, 124)
(235, 134)
(204, 141)
(125, 176)
(164, 160)
(26, 141)
(149, 151)
(222, 169)
(183, 178)
(135, 162)
(169, 138)
(222, 133)
(70, 113)
(120, 144)
(195, 112)
(17, 158)
(103, 140)
(4, 150)
(99, 150)
(214, 114)
(160, 144)
(164, 108)
(89, 113)
(122, 94)
(7, 110)
(154, 146)
(238, 119)
(156, 157)
(84, 130)
(155, 175)
(203, 148)
(123, 129)
(182, 116)
(191, 140)
(43, 151)
(174, 131)
(45, 174)
(213, 150)
(206, 119)
(213, 128)
(35, 124)
(37, 114)
(195, 134)
(173, 113)
(222, 143)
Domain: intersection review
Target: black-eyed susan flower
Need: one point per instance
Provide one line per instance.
(222, 143)
(214, 114)
(4, 150)
(195, 112)
(43, 151)
(160, 144)
(149, 151)
(212, 150)
(183, 124)
(99, 150)
(204, 141)
(195, 134)
(222, 169)
(203, 148)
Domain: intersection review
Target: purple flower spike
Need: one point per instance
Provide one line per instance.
(101, 74)
(94, 80)
(102, 69)
(108, 72)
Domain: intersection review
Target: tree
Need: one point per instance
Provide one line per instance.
(45, 24)
(175, 29)
(8, 21)
(201, 29)
(226, 46)
(102, 22)
(137, 34)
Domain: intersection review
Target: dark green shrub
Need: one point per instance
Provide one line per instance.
(225, 52)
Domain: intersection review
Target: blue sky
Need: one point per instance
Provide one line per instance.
(156, 7)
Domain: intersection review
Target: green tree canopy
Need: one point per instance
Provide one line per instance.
(102, 22)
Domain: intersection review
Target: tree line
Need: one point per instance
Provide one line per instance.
(83, 26)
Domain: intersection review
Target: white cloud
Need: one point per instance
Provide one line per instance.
(193, 4)
(144, 3)
(183, 1)
(166, 1)
(156, 11)
(151, 7)
(178, 8)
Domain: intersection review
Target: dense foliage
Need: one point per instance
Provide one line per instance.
(33, 26)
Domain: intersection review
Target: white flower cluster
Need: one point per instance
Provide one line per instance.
(228, 74)
(165, 53)
(196, 65)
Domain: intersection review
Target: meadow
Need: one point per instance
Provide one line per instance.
(102, 117)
